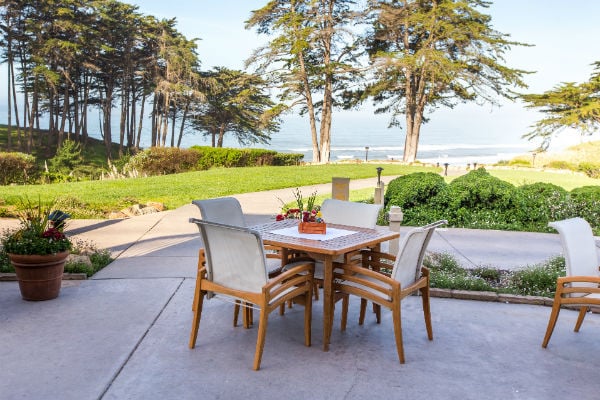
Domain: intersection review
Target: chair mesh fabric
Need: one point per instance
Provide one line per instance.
(579, 247)
(408, 261)
(351, 213)
(242, 269)
(223, 210)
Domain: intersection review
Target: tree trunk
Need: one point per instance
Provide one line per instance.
(221, 135)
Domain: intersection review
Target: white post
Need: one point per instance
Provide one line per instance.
(340, 188)
(395, 216)
(379, 193)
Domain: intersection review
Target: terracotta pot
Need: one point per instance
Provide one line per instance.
(39, 276)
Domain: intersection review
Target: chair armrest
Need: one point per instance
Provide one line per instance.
(351, 269)
(293, 277)
(563, 280)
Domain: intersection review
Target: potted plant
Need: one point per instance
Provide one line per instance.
(38, 250)
(310, 219)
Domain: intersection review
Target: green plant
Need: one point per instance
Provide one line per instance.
(538, 280)
(38, 234)
(68, 157)
(17, 168)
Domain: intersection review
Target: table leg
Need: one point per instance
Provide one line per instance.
(327, 301)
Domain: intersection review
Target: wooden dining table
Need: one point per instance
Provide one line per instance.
(349, 239)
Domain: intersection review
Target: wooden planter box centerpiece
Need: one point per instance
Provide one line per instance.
(312, 227)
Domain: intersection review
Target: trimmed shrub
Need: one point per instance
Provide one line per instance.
(541, 203)
(19, 168)
(163, 161)
(413, 194)
(586, 203)
(287, 159)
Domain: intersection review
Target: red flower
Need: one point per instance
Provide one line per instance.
(54, 234)
(279, 217)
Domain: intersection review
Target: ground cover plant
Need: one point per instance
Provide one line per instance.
(534, 280)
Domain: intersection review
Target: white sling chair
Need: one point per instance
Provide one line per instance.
(580, 286)
(388, 289)
(232, 265)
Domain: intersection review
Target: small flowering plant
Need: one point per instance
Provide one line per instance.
(41, 231)
(311, 213)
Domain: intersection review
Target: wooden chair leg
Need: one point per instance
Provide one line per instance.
(582, 312)
(248, 315)
(260, 340)
(236, 312)
(552, 321)
(397, 319)
(345, 303)
(363, 309)
(427, 311)
(196, 320)
(308, 318)
(377, 312)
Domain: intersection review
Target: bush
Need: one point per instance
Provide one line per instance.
(586, 204)
(479, 200)
(543, 202)
(163, 161)
(287, 159)
(17, 168)
(413, 189)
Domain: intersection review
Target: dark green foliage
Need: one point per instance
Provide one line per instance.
(479, 200)
(541, 203)
(67, 159)
(17, 168)
(413, 189)
(163, 161)
(287, 159)
(229, 157)
(586, 203)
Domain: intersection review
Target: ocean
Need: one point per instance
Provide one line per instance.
(465, 135)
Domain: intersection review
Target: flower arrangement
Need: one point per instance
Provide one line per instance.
(311, 213)
(41, 231)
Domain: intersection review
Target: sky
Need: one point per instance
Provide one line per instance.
(564, 36)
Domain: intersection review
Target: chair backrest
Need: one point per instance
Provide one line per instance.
(409, 260)
(350, 213)
(579, 247)
(234, 256)
(223, 210)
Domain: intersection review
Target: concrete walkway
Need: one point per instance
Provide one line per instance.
(123, 334)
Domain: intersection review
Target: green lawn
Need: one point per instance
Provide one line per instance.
(94, 198)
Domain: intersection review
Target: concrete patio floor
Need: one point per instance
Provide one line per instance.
(124, 334)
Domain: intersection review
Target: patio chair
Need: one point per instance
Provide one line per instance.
(351, 213)
(228, 211)
(232, 266)
(387, 289)
(580, 286)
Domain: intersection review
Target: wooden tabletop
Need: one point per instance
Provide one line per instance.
(360, 238)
